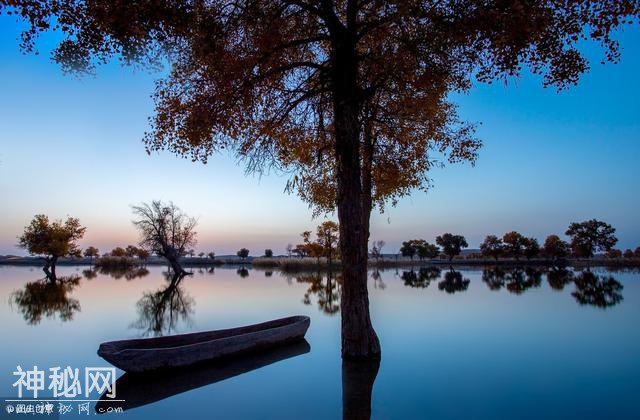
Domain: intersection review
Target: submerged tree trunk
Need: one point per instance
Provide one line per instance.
(50, 268)
(359, 339)
(172, 256)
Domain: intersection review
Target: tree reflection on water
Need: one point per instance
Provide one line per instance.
(160, 311)
(47, 298)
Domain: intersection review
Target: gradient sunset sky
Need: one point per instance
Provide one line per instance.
(72, 146)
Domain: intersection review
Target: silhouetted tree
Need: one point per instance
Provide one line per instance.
(628, 253)
(91, 252)
(327, 234)
(408, 249)
(591, 236)
(131, 251)
(492, 247)
(212, 255)
(242, 272)
(376, 250)
(451, 244)
(428, 251)
(613, 253)
(52, 240)
(514, 244)
(201, 254)
(350, 95)
(555, 248)
(165, 230)
(289, 249)
(243, 253)
(118, 252)
(531, 248)
(268, 253)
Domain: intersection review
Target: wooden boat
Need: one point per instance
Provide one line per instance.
(147, 354)
(135, 390)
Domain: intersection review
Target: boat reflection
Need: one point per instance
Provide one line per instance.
(137, 390)
(47, 298)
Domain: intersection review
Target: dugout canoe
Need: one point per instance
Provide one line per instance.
(137, 389)
(149, 354)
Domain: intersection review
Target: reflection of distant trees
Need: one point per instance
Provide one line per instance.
(326, 287)
(47, 298)
(518, 281)
(453, 282)
(422, 278)
(242, 272)
(377, 279)
(494, 278)
(600, 291)
(160, 311)
(117, 272)
(559, 277)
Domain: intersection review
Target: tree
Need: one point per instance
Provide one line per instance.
(555, 248)
(201, 254)
(451, 244)
(52, 240)
(628, 253)
(314, 250)
(118, 252)
(131, 251)
(514, 244)
(352, 97)
(243, 253)
(289, 249)
(531, 248)
(591, 236)
(428, 251)
(492, 247)
(636, 252)
(376, 250)
(327, 236)
(212, 255)
(143, 254)
(91, 252)
(268, 253)
(408, 250)
(613, 253)
(166, 231)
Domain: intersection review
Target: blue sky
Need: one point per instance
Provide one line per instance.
(72, 146)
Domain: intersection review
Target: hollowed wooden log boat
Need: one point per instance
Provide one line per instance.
(138, 389)
(148, 354)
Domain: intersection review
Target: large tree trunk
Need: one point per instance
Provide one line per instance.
(359, 339)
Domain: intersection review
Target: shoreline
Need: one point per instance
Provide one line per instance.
(301, 264)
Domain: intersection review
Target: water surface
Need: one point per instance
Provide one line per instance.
(469, 343)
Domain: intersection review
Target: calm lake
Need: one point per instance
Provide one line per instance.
(472, 343)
